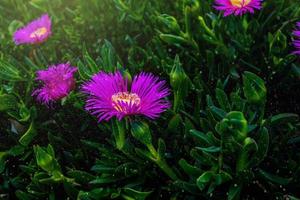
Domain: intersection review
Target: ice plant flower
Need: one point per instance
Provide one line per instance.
(35, 32)
(109, 96)
(296, 41)
(58, 81)
(237, 7)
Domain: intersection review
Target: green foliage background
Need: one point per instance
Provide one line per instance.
(231, 132)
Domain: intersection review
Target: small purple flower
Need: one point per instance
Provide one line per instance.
(58, 82)
(35, 32)
(296, 41)
(109, 96)
(237, 7)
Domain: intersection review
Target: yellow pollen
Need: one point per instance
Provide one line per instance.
(240, 3)
(38, 32)
(121, 98)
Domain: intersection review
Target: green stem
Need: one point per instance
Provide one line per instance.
(162, 163)
(119, 133)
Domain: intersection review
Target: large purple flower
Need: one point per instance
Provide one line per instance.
(237, 7)
(109, 96)
(296, 41)
(35, 32)
(57, 80)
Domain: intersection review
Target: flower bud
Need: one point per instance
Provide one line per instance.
(178, 78)
(141, 132)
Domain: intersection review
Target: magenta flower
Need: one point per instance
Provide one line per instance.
(58, 82)
(237, 7)
(296, 41)
(35, 32)
(109, 96)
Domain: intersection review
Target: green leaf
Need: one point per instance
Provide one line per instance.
(212, 149)
(98, 194)
(234, 124)
(80, 176)
(161, 148)
(7, 102)
(254, 87)
(234, 192)
(174, 123)
(222, 177)
(9, 72)
(223, 100)
(14, 25)
(138, 195)
(45, 160)
(3, 156)
(263, 146)
(109, 58)
(174, 39)
(28, 136)
(204, 179)
(283, 118)
(189, 169)
(201, 137)
(274, 178)
(249, 146)
(217, 112)
(106, 180)
(23, 195)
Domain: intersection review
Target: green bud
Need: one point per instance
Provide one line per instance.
(141, 132)
(254, 88)
(178, 78)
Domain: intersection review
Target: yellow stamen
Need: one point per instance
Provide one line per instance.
(125, 98)
(38, 32)
(240, 3)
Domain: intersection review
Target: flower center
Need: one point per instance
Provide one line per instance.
(240, 3)
(121, 101)
(38, 32)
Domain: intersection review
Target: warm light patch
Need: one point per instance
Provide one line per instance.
(38, 32)
(240, 3)
(122, 100)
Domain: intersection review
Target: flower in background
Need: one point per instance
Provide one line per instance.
(58, 81)
(237, 7)
(35, 32)
(296, 41)
(109, 96)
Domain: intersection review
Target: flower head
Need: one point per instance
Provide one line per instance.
(237, 7)
(109, 96)
(58, 82)
(296, 41)
(35, 32)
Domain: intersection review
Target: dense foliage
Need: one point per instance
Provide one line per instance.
(232, 131)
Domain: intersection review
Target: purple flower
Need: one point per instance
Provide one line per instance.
(58, 82)
(35, 32)
(109, 96)
(296, 41)
(237, 7)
